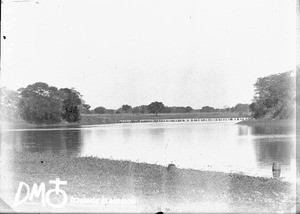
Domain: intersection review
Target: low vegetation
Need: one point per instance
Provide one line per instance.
(155, 186)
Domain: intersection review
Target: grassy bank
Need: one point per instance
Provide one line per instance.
(153, 187)
(118, 117)
(95, 119)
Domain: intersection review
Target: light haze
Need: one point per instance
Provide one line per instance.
(134, 52)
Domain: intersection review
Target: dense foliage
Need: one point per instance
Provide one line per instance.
(274, 96)
(71, 104)
(159, 107)
(156, 107)
(99, 110)
(126, 108)
(40, 103)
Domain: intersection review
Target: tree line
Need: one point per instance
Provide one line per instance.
(158, 107)
(40, 103)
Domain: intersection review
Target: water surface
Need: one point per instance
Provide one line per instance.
(222, 146)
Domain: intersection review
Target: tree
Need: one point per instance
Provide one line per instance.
(8, 104)
(140, 109)
(85, 108)
(136, 110)
(99, 110)
(241, 108)
(40, 103)
(156, 107)
(274, 96)
(110, 111)
(188, 109)
(126, 108)
(207, 109)
(71, 104)
(167, 109)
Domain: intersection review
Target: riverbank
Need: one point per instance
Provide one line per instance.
(152, 187)
(98, 119)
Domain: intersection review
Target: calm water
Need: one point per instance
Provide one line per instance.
(222, 146)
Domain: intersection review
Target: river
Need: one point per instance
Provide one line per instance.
(212, 145)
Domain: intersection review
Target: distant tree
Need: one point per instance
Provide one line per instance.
(167, 109)
(40, 103)
(207, 109)
(136, 110)
(71, 104)
(144, 109)
(140, 109)
(226, 108)
(188, 109)
(241, 108)
(110, 111)
(126, 108)
(179, 109)
(99, 110)
(274, 96)
(156, 107)
(85, 108)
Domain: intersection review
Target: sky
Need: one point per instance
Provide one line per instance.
(179, 52)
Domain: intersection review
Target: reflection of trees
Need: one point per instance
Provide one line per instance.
(52, 141)
(244, 130)
(157, 134)
(272, 129)
(274, 150)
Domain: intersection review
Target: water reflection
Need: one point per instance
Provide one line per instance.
(53, 141)
(270, 151)
(209, 146)
(272, 129)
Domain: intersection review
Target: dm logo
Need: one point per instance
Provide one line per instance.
(40, 191)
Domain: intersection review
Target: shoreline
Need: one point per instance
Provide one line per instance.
(153, 185)
(99, 119)
(248, 122)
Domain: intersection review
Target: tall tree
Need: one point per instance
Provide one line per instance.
(188, 109)
(40, 103)
(156, 107)
(274, 96)
(71, 104)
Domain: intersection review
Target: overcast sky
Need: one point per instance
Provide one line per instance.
(134, 52)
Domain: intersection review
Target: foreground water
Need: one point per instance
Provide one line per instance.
(221, 146)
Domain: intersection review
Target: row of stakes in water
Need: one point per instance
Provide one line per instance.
(182, 120)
